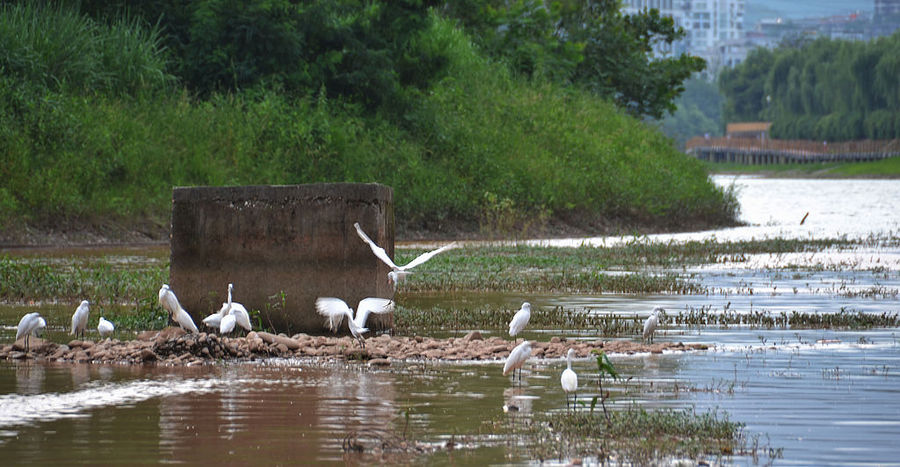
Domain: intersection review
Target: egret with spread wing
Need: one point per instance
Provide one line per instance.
(398, 272)
(335, 310)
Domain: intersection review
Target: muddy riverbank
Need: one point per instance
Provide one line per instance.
(172, 346)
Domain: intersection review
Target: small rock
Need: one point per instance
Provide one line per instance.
(147, 355)
(75, 344)
(473, 336)
(380, 362)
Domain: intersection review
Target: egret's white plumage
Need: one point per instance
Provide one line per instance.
(520, 319)
(215, 319)
(28, 325)
(80, 318)
(335, 310)
(105, 327)
(398, 272)
(169, 302)
(569, 379)
(517, 357)
(227, 324)
(650, 324)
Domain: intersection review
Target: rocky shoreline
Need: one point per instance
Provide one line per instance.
(172, 346)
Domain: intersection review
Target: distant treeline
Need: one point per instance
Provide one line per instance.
(106, 105)
(832, 90)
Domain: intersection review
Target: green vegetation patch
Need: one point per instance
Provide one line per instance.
(887, 168)
(636, 436)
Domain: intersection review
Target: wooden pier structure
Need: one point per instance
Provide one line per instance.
(758, 151)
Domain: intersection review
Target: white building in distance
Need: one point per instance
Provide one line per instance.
(715, 29)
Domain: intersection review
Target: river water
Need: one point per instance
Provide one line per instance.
(816, 396)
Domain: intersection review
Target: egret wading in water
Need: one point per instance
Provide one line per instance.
(569, 380)
(650, 324)
(517, 358)
(105, 327)
(398, 273)
(335, 310)
(80, 318)
(29, 325)
(520, 320)
(169, 302)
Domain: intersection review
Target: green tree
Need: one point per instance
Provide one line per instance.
(586, 43)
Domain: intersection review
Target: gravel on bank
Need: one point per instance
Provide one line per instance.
(172, 346)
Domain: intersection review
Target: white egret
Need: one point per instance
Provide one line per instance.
(213, 320)
(28, 325)
(569, 380)
(520, 319)
(227, 324)
(650, 324)
(336, 310)
(517, 358)
(398, 272)
(241, 317)
(105, 327)
(80, 318)
(169, 302)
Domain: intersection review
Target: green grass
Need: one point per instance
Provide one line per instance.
(639, 266)
(94, 140)
(637, 436)
(887, 168)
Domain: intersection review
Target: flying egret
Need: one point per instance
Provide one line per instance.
(569, 380)
(650, 324)
(169, 302)
(28, 325)
(398, 273)
(227, 324)
(80, 318)
(520, 319)
(517, 358)
(105, 327)
(213, 320)
(336, 310)
(241, 317)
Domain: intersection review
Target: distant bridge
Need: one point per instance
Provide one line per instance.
(751, 151)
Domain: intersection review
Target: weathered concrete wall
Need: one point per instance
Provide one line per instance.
(296, 239)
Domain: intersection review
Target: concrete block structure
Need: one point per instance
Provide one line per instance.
(281, 247)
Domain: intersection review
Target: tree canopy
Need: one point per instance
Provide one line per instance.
(369, 50)
(591, 44)
(833, 90)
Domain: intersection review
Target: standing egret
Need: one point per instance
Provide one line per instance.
(569, 380)
(105, 327)
(517, 358)
(520, 319)
(336, 310)
(227, 324)
(169, 302)
(80, 318)
(650, 324)
(28, 325)
(241, 317)
(398, 272)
